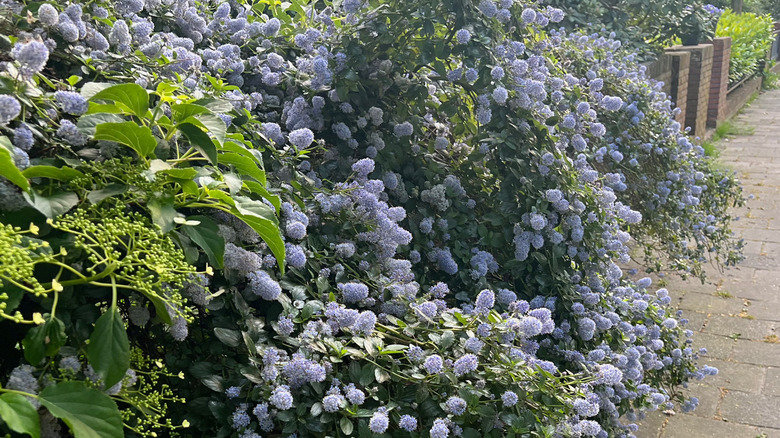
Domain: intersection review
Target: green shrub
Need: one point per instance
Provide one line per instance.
(751, 38)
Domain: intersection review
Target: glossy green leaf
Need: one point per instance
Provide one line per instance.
(54, 205)
(109, 348)
(183, 110)
(88, 123)
(8, 168)
(215, 105)
(346, 426)
(20, 415)
(231, 338)
(52, 172)
(243, 165)
(200, 141)
(95, 196)
(131, 95)
(88, 412)
(259, 189)
(139, 138)
(162, 212)
(206, 235)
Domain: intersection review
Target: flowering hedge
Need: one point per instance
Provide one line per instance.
(302, 219)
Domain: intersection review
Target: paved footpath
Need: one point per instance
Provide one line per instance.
(736, 316)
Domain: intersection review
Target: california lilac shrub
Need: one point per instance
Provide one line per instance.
(402, 219)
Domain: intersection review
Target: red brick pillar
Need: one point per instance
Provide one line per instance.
(678, 93)
(719, 86)
(699, 76)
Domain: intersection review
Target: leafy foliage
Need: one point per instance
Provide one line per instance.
(751, 38)
(417, 212)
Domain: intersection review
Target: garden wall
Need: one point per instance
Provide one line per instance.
(696, 80)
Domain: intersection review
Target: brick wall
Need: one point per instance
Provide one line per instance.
(740, 95)
(716, 109)
(699, 78)
(661, 70)
(678, 93)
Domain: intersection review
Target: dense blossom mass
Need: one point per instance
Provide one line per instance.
(417, 216)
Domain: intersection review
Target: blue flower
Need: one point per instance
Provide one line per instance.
(281, 398)
(463, 36)
(379, 422)
(439, 428)
(353, 292)
(262, 285)
(32, 56)
(455, 405)
(332, 402)
(407, 423)
(47, 14)
(301, 138)
(233, 392)
(9, 108)
(404, 129)
(71, 103)
(433, 364)
(466, 364)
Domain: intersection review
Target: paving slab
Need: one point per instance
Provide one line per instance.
(690, 426)
(757, 352)
(772, 383)
(740, 328)
(750, 408)
(736, 376)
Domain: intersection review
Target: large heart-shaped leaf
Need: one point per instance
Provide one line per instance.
(88, 412)
(8, 168)
(19, 414)
(52, 172)
(245, 166)
(133, 96)
(109, 349)
(54, 205)
(138, 138)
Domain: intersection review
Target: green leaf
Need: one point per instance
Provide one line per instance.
(52, 172)
(215, 105)
(8, 168)
(231, 338)
(200, 141)
(245, 166)
(213, 124)
(262, 219)
(367, 374)
(181, 111)
(206, 235)
(257, 208)
(20, 415)
(138, 138)
(95, 196)
(88, 123)
(162, 212)
(88, 412)
(109, 349)
(133, 96)
(179, 173)
(92, 88)
(346, 425)
(96, 108)
(52, 206)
